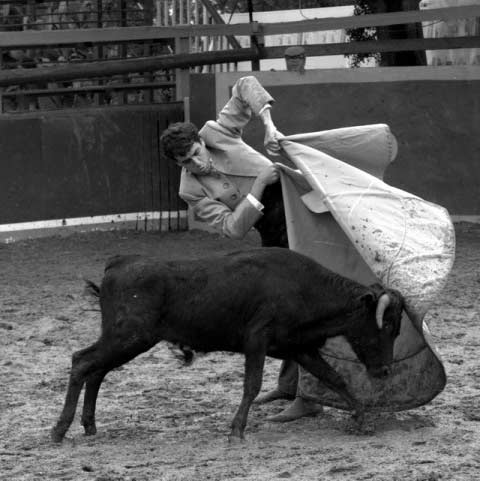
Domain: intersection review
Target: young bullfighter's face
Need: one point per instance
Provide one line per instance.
(197, 160)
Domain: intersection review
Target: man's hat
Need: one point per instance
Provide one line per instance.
(294, 51)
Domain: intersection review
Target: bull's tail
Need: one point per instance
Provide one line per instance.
(92, 289)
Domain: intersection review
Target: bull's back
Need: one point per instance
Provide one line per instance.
(212, 301)
(243, 269)
(212, 284)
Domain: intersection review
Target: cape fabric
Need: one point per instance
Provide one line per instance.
(360, 227)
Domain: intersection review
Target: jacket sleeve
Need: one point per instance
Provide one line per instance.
(248, 98)
(231, 223)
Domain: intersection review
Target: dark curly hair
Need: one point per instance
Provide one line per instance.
(178, 139)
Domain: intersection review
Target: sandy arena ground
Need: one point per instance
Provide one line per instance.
(159, 421)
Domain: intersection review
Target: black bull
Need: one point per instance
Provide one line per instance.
(264, 302)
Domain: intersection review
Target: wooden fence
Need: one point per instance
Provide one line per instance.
(25, 16)
(193, 50)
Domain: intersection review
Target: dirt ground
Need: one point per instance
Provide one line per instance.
(159, 421)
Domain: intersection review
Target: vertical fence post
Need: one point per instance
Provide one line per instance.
(147, 51)
(253, 38)
(181, 14)
(123, 47)
(158, 13)
(181, 74)
(98, 97)
(189, 12)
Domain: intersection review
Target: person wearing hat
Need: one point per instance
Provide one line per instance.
(295, 59)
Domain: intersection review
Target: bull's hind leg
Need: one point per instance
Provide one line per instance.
(108, 358)
(90, 366)
(315, 364)
(82, 362)
(252, 383)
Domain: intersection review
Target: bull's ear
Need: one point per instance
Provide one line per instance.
(369, 298)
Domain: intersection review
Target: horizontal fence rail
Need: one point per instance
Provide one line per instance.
(151, 64)
(115, 67)
(30, 39)
(392, 45)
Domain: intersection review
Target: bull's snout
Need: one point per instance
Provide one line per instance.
(380, 372)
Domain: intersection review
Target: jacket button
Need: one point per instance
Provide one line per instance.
(226, 185)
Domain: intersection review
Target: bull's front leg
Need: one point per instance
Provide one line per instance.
(315, 364)
(252, 383)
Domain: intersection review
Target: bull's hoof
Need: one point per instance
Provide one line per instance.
(56, 435)
(367, 428)
(235, 440)
(360, 429)
(90, 430)
(236, 436)
(361, 426)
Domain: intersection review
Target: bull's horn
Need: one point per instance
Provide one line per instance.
(383, 303)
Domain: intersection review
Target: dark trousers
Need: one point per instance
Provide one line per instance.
(273, 232)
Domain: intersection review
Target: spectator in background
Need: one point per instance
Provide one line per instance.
(295, 59)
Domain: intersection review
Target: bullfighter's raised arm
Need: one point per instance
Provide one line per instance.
(248, 99)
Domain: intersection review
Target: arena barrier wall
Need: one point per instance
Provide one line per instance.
(92, 168)
(434, 112)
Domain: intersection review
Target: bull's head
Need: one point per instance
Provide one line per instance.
(374, 335)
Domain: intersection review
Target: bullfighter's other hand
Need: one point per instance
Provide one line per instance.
(296, 175)
(269, 175)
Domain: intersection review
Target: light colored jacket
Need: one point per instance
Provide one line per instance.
(220, 199)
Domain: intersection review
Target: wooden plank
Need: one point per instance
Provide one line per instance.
(32, 39)
(181, 75)
(393, 45)
(124, 66)
(166, 62)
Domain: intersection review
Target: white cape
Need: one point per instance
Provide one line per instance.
(360, 227)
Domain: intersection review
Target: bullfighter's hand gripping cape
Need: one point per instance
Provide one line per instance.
(352, 222)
